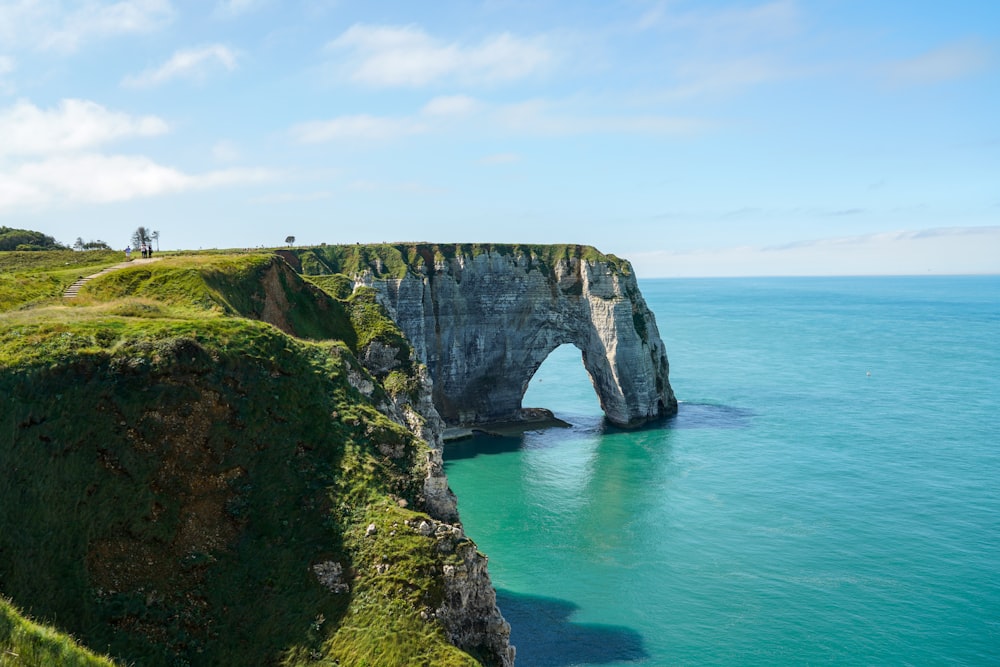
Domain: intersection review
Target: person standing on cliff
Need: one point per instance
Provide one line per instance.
(128, 253)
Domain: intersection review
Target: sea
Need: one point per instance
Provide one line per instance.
(828, 493)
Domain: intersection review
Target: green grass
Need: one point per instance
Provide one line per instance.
(23, 642)
(28, 278)
(336, 285)
(396, 260)
(373, 633)
(178, 457)
(256, 286)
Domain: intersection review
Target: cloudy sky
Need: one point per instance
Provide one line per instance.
(695, 138)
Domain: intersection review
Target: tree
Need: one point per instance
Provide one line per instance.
(156, 237)
(289, 240)
(26, 239)
(141, 237)
(80, 244)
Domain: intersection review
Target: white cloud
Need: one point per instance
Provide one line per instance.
(952, 61)
(186, 64)
(451, 105)
(722, 51)
(6, 67)
(65, 26)
(533, 118)
(292, 197)
(388, 56)
(96, 178)
(408, 188)
(73, 125)
(780, 18)
(48, 158)
(500, 158)
(940, 250)
(544, 118)
(234, 8)
(225, 151)
(698, 79)
(356, 127)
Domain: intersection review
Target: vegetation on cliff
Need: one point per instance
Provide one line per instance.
(29, 277)
(25, 239)
(192, 475)
(395, 260)
(24, 642)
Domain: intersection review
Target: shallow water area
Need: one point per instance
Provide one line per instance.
(826, 494)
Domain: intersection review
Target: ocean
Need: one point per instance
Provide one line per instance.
(829, 492)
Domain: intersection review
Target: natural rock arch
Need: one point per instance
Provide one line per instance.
(484, 318)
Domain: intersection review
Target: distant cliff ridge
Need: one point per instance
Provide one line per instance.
(484, 317)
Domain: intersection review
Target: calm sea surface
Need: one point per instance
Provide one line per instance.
(797, 510)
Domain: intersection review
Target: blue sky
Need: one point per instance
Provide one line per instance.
(694, 138)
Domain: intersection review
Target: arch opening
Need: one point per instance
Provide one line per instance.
(562, 385)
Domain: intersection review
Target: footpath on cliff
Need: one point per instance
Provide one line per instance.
(73, 290)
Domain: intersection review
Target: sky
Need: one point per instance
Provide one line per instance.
(694, 138)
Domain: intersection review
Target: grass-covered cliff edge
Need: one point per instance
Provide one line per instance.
(211, 460)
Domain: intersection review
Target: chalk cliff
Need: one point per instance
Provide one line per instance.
(484, 318)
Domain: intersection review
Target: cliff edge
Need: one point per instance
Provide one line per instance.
(484, 317)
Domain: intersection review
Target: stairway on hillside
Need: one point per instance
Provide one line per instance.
(73, 290)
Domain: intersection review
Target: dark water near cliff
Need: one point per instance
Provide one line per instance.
(797, 510)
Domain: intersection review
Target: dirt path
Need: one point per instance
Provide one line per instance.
(73, 290)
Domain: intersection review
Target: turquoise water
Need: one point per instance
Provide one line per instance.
(797, 510)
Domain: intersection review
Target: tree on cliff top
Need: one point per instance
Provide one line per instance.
(25, 239)
(80, 244)
(141, 237)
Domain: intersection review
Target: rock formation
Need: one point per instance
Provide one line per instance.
(484, 318)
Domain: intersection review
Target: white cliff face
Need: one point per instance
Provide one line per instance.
(483, 324)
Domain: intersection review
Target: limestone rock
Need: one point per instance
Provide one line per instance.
(469, 611)
(483, 323)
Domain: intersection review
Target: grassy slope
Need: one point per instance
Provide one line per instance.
(29, 277)
(176, 472)
(23, 642)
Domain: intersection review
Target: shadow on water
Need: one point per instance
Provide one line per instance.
(482, 445)
(689, 416)
(545, 637)
(709, 415)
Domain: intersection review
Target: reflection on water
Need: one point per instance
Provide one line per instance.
(689, 415)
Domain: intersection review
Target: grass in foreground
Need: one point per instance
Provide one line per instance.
(25, 643)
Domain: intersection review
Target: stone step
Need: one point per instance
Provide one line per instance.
(72, 291)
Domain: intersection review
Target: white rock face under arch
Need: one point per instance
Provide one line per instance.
(484, 323)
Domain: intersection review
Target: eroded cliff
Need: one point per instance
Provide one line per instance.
(484, 318)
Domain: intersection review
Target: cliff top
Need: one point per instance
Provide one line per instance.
(397, 259)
